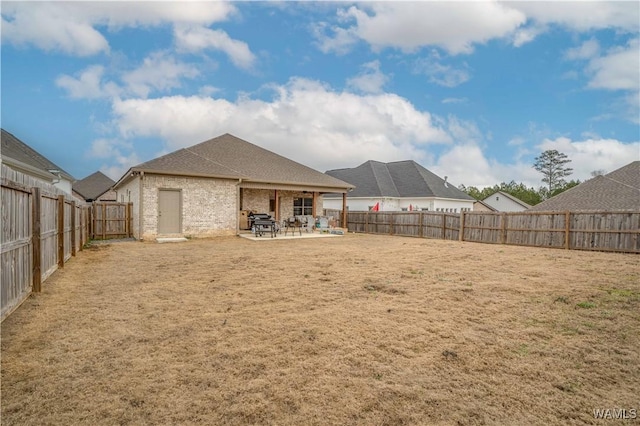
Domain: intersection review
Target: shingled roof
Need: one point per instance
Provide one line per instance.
(23, 155)
(228, 156)
(615, 191)
(400, 179)
(93, 186)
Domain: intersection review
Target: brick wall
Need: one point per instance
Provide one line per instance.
(208, 205)
(256, 200)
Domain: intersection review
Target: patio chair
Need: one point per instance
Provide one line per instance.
(291, 224)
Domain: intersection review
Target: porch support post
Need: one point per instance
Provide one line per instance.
(314, 203)
(277, 202)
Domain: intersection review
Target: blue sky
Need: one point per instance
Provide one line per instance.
(470, 90)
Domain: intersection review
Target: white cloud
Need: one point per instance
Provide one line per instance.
(593, 154)
(582, 16)
(339, 40)
(208, 90)
(70, 27)
(194, 39)
(306, 121)
(159, 71)
(467, 164)
(524, 35)
(586, 50)
(119, 153)
(88, 84)
(310, 123)
(370, 80)
(457, 27)
(455, 100)
(453, 26)
(619, 69)
(516, 141)
(51, 27)
(439, 73)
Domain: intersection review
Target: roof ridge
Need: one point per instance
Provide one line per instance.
(421, 171)
(377, 177)
(621, 183)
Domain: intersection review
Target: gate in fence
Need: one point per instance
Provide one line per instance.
(111, 220)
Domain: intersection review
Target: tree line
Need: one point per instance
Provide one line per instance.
(553, 166)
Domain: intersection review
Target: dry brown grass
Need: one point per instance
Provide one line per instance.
(355, 330)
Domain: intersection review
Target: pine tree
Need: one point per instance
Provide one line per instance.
(552, 164)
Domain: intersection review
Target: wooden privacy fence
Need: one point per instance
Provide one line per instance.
(602, 231)
(111, 220)
(42, 228)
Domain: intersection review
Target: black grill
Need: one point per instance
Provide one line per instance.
(262, 223)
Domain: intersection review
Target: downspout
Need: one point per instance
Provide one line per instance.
(141, 209)
(238, 206)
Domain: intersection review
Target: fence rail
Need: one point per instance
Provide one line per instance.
(602, 231)
(42, 227)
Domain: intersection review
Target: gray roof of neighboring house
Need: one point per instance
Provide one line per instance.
(228, 156)
(399, 179)
(511, 197)
(14, 149)
(93, 186)
(615, 191)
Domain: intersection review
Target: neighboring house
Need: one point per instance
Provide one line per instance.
(481, 206)
(206, 189)
(95, 187)
(615, 191)
(21, 157)
(397, 186)
(504, 202)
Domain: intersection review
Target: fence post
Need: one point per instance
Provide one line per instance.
(73, 228)
(461, 236)
(81, 229)
(420, 224)
(130, 219)
(567, 229)
(444, 226)
(366, 223)
(391, 224)
(61, 231)
(503, 231)
(35, 240)
(104, 221)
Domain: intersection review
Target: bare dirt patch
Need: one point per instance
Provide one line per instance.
(361, 329)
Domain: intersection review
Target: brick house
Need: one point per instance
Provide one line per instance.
(205, 189)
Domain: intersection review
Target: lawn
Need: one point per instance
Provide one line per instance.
(359, 329)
